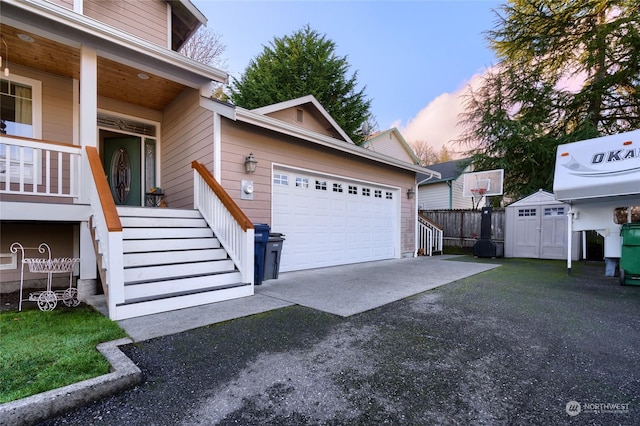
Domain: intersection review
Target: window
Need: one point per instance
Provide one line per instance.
(353, 189)
(20, 115)
(554, 211)
(526, 212)
(337, 187)
(321, 185)
(621, 215)
(377, 193)
(389, 195)
(366, 192)
(302, 182)
(280, 179)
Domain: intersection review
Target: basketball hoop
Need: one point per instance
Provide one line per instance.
(478, 192)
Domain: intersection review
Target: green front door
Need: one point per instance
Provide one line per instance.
(122, 166)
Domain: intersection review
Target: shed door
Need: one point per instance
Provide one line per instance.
(527, 233)
(554, 233)
(330, 221)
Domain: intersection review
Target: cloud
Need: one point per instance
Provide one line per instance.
(437, 123)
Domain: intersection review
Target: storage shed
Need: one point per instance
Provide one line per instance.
(536, 227)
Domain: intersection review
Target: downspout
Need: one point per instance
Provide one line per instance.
(217, 148)
(450, 183)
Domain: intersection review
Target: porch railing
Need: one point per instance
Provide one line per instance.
(37, 167)
(228, 222)
(107, 233)
(429, 236)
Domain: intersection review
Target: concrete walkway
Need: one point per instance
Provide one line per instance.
(341, 290)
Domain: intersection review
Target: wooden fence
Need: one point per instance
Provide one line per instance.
(461, 228)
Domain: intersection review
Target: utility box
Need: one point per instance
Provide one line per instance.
(273, 253)
(261, 238)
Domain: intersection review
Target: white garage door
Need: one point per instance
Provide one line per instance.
(331, 221)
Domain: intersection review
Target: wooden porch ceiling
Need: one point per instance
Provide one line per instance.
(115, 80)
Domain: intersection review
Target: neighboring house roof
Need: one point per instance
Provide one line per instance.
(309, 99)
(382, 136)
(448, 171)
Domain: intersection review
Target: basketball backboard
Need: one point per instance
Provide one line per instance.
(482, 184)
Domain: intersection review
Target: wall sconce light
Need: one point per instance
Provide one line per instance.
(410, 193)
(250, 163)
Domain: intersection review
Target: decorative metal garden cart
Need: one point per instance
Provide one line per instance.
(47, 300)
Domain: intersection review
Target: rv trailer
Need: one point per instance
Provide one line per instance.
(597, 177)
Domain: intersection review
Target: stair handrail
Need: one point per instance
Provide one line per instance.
(430, 236)
(230, 225)
(107, 231)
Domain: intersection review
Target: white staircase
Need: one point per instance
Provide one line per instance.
(172, 260)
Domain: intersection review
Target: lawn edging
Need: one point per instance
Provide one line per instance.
(30, 410)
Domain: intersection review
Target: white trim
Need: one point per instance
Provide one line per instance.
(301, 101)
(332, 175)
(168, 32)
(156, 138)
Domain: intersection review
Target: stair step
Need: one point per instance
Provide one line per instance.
(137, 246)
(163, 272)
(163, 233)
(203, 297)
(163, 222)
(151, 212)
(167, 288)
(172, 256)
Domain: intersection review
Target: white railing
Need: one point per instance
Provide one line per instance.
(429, 237)
(229, 224)
(36, 167)
(107, 233)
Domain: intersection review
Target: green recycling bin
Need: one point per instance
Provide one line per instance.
(630, 256)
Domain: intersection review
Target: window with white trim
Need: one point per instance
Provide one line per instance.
(389, 195)
(353, 189)
(20, 115)
(337, 187)
(377, 193)
(280, 179)
(321, 185)
(554, 211)
(526, 212)
(366, 192)
(302, 182)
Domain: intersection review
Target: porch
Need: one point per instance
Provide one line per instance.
(148, 260)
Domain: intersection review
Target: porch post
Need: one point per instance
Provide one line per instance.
(88, 112)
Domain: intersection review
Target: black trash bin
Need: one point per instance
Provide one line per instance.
(261, 237)
(272, 256)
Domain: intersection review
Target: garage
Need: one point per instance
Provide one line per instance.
(331, 220)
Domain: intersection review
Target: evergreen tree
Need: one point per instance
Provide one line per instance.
(304, 63)
(568, 71)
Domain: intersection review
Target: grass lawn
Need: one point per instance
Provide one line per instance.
(40, 351)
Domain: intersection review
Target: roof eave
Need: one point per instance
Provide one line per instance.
(266, 122)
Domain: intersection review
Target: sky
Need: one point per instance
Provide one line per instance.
(413, 58)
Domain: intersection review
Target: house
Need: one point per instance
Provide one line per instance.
(102, 121)
(445, 192)
(390, 142)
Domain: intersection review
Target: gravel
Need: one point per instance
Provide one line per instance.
(514, 345)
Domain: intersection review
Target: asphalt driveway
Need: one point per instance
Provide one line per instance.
(519, 344)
